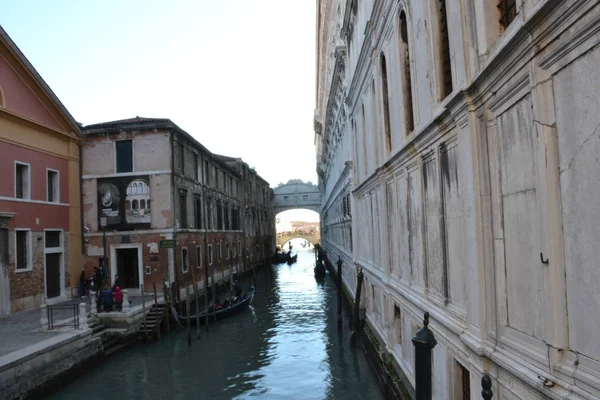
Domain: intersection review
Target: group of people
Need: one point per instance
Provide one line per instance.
(106, 297)
(236, 290)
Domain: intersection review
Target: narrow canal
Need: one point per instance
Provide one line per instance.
(286, 346)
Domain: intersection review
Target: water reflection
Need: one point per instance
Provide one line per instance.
(286, 346)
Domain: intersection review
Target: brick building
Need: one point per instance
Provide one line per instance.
(40, 218)
(153, 181)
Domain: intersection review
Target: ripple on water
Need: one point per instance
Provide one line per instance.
(285, 347)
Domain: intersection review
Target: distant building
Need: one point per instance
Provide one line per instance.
(40, 219)
(154, 182)
(465, 136)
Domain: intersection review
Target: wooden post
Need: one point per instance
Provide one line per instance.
(187, 314)
(214, 294)
(167, 304)
(355, 315)
(339, 280)
(156, 306)
(197, 303)
(144, 310)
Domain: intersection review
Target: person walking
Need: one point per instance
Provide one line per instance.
(82, 291)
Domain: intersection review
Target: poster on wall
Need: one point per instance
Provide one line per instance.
(125, 201)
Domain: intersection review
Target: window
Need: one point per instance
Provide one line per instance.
(240, 247)
(198, 257)
(226, 225)
(52, 239)
(233, 250)
(124, 150)
(508, 12)
(209, 218)
(196, 168)
(210, 255)
(206, 173)
(219, 255)
(463, 382)
(227, 252)
(182, 208)
(52, 186)
(443, 65)
(22, 181)
(23, 244)
(185, 260)
(397, 325)
(344, 206)
(219, 216)
(386, 104)
(198, 212)
(348, 204)
(405, 74)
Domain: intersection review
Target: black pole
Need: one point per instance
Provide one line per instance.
(486, 385)
(355, 315)
(424, 341)
(339, 281)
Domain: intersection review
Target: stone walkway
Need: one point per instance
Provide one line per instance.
(22, 329)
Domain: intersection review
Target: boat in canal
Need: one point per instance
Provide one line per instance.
(224, 312)
(320, 271)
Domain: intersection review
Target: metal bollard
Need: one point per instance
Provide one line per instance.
(125, 306)
(424, 341)
(44, 317)
(486, 385)
(83, 316)
(93, 303)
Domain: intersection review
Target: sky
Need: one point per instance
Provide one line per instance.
(238, 75)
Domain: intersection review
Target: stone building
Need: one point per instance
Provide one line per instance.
(466, 133)
(40, 217)
(154, 182)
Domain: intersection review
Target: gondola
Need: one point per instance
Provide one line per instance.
(320, 271)
(280, 258)
(224, 312)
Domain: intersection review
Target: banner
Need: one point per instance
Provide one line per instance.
(125, 201)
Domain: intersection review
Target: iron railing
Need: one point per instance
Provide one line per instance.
(66, 320)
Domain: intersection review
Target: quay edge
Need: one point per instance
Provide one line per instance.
(394, 384)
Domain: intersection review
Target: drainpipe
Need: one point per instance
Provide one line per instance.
(173, 207)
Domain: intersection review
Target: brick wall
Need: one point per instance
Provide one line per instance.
(27, 289)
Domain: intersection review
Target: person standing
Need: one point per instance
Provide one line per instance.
(82, 284)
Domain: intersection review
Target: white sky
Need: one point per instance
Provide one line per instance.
(238, 75)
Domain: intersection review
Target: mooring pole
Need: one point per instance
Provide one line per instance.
(424, 342)
(486, 385)
(355, 314)
(187, 314)
(339, 282)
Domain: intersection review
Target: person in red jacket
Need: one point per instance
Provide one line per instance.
(118, 296)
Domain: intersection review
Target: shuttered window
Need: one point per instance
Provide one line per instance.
(124, 150)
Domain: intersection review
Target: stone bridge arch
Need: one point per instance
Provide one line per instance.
(283, 238)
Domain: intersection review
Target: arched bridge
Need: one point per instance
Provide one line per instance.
(283, 238)
(296, 194)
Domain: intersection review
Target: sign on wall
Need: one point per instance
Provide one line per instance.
(125, 201)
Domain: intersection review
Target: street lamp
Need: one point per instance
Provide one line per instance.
(103, 222)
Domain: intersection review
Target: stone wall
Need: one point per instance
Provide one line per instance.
(479, 211)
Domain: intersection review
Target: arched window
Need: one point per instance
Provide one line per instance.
(127, 205)
(143, 204)
(386, 104)
(405, 73)
(134, 205)
(442, 58)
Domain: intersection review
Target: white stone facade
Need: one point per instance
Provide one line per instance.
(468, 144)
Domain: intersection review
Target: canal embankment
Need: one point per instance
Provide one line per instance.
(394, 383)
(36, 358)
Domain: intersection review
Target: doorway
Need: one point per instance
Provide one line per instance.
(53, 275)
(4, 277)
(128, 268)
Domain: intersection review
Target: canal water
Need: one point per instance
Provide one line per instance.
(285, 346)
